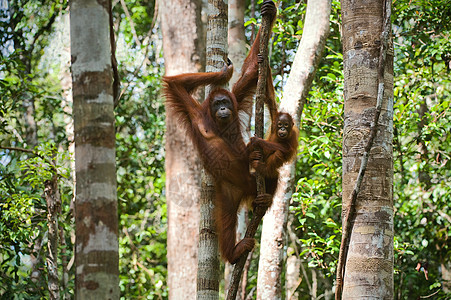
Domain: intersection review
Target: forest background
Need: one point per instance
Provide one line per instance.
(35, 115)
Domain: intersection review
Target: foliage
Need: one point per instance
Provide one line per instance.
(317, 200)
(23, 219)
(140, 127)
(421, 153)
(24, 36)
(422, 148)
(28, 70)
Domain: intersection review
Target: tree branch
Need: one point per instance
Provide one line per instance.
(34, 153)
(259, 211)
(116, 79)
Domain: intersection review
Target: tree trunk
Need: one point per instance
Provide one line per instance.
(237, 54)
(183, 47)
(67, 104)
(208, 262)
(293, 276)
(236, 37)
(96, 220)
(309, 53)
(53, 199)
(259, 211)
(30, 122)
(445, 266)
(368, 271)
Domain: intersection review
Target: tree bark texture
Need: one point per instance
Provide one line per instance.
(184, 48)
(208, 262)
(308, 55)
(96, 220)
(237, 54)
(217, 35)
(368, 269)
(208, 274)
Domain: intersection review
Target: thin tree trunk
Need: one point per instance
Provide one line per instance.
(259, 211)
(30, 122)
(53, 199)
(294, 279)
(237, 54)
(183, 47)
(236, 37)
(445, 266)
(64, 264)
(67, 103)
(35, 257)
(316, 30)
(423, 174)
(314, 284)
(96, 220)
(208, 262)
(367, 210)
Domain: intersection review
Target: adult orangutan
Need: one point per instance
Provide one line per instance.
(214, 129)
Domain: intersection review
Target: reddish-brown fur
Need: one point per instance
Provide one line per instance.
(219, 143)
(268, 155)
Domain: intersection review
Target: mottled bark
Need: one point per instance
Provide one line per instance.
(208, 274)
(208, 262)
(96, 220)
(308, 55)
(184, 48)
(216, 35)
(369, 261)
